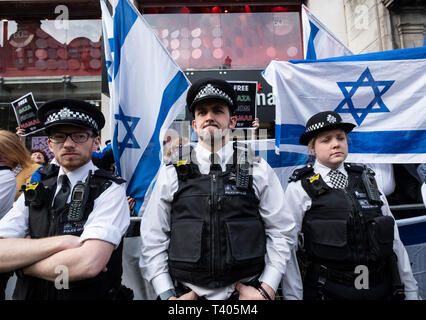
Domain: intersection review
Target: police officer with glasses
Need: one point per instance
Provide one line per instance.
(348, 245)
(214, 226)
(63, 235)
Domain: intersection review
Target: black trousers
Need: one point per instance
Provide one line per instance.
(182, 289)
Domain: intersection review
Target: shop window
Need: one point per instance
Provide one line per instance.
(227, 37)
(50, 38)
(46, 48)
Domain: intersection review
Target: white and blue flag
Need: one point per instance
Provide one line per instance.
(108, 40)
(149, 90)
(383, 93)
(318, 41)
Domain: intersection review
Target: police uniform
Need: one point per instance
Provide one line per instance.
(203, 230)
(106, 214)
(341, 230)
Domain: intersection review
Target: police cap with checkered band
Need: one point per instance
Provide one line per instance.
(322, 121)
(71, 112)
(210, 88)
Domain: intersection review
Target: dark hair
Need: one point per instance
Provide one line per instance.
(46, 158)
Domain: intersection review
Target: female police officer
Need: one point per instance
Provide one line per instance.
(348, 247)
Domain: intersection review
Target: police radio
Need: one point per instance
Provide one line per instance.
(370, 184)
(243, 172)
(79, 196)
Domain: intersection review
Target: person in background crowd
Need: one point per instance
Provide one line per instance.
(173, 146)
(346, 226)
(104, 159)
(13, 156)
(7, 193)
(7, 185)
(18, 158)
(39, 156)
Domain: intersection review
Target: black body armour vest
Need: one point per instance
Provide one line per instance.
(217, 234)
(45, 222)
(344, 229)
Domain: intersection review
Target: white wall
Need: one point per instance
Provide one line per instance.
(332, 14)
(363, 25)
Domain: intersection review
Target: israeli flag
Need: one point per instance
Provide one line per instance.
(383, 93)
(149, 90)
(318, 41)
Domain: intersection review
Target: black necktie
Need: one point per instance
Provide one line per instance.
(215, 163)
(63, 193)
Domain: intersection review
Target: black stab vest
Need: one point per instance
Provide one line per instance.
(343, 227)
(217, 234)
(44, 222)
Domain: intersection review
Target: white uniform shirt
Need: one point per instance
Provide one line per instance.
(108, 220)
(298, 202)
(385, 177)
(155, 225)
(424, 192)
(7, 191)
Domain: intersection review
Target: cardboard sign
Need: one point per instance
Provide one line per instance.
(265, 100)
(246, 110)
(26, 114)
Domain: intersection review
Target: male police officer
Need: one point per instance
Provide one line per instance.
(73, 220)
(214, 221)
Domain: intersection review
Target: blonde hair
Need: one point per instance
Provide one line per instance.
(12, 148)
(311, 142)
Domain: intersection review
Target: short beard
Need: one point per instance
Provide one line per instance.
(216, 140)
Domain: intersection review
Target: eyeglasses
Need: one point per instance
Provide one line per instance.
(77, 137)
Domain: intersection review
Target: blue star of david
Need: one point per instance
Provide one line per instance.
(129, 132)
(365, 80)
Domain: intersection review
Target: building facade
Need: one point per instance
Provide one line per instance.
(54, 48)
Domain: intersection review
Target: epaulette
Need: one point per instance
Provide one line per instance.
(301, 172)
(48, 170)
(109, 175)
(355, 167)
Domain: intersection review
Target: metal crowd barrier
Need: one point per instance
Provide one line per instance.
(393, 208)
(400, 222)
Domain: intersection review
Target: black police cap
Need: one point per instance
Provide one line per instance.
(71, 112)
(322, 121)
(210, 88)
